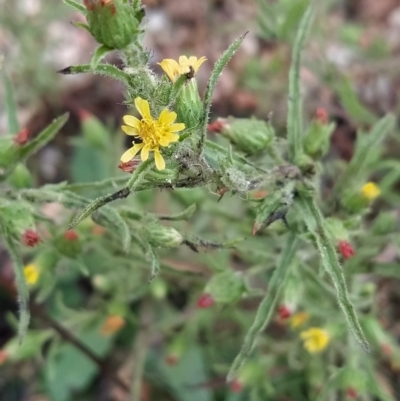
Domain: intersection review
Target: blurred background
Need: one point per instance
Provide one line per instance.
(351, 68)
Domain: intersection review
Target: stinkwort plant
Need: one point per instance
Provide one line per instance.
(171, 150)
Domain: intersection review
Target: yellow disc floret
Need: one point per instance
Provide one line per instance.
(315, 339)
(174, 69)
(153, 134)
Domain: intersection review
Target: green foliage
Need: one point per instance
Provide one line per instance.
(100, 252)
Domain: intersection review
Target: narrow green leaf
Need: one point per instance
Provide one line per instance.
(111, 218)
(218, 67)
(350, 102)
(76, 5)
(315, 224)
(10, 105)
(103, 69)
(267, 305)
(185, 215)
(366, 145)
(294, 119)
(22, 288)
(43, 138)
(98, 55)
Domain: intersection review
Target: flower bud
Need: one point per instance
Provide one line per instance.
(249, 135)
(284, 312)
(205, 301)
(226, 287)
(351, 393)
(158, 288)
(175, 350)
(113, 23)
(188, 105)
(112, 325)
(317, 139)
(71, 235)
(8, 151)
(162, 236)
(22, 137)
(236, 386)
(345, 249)
(68, 244)
(21, 177)
(30, 238)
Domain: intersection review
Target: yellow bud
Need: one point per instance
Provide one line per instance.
(370, 191)
(315, 339)
(31, 273)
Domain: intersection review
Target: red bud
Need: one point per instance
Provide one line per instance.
(216, 126)
(84, 114)
(205, 301)
(284, 312)
(71, 235)
(129, 167)
(236, 386)
(30, 238)
(345, 249)
(321, 115)
(171, 360)
(351, 393)
(22, 137)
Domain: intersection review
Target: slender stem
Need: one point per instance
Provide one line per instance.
(37, 311)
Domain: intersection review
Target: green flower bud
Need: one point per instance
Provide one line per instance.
(20, 177)
(317, 139)
(162, 236)
(354, 201)
(8, 152)
(188, 105)
(226, 287)
(16, 216)
(248, 135)
(113, 23)
(68, 244)
(158, 288)
(353, 378)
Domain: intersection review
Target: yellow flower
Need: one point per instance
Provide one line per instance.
(150, 133)
(315, 339)
(298, 319)
(31, 273)
(370, 191)
(174, 69)
(112, 324)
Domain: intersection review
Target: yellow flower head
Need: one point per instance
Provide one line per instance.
(31, 273)
(150, 134)
(298, 319)
(174, 69)
(370, 191)
(112, 324)
(315, 339)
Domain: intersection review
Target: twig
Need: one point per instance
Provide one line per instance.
(37, 311)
